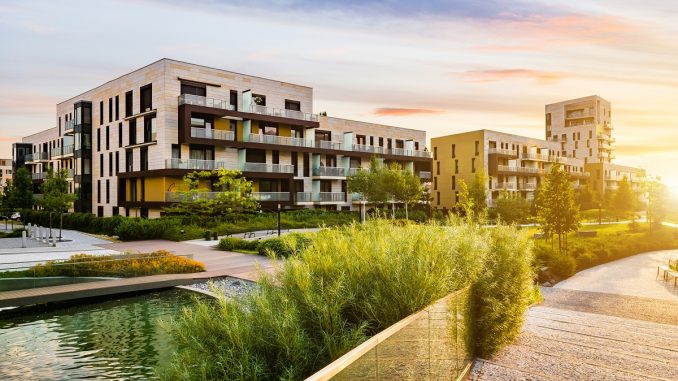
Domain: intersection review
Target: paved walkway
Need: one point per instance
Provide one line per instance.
(611, 322)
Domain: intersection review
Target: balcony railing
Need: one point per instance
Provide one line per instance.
(203, 133)
(328, 144)
(271, 196)
(280, 140)
(304, 197)
(425, 174)
(502, 151)
(535, 156)
(37, 156)
(331, 197)
(292, 114)
(69, 173)
(367, 148)
(38, 176)
(198, 100)
(510, 186)
(67, 150)
(201, 165)
(268, 168)
(330, 171)
(354, 171)
(69, 125)
(28, 158)
(506, 168)
(528, 186)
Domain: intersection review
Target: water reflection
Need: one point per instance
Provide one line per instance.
(113, 340)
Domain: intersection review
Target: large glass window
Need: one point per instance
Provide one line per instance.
(129, 101)
(150, 134)
(146, 98)
(193, 89)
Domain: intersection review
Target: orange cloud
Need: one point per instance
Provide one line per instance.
(503, 74)
(392, 111)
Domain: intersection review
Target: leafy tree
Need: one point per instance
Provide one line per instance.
(55, 196)
(512, 208)
(586, 198)
(214, 193)
(473, 197)
(623, 200)
(557, 211)
(657, 199)
(20, 193)
(408, 189)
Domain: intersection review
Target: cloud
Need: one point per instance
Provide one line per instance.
(654, 147)
(10, 139)
(494, 75)
(395, 111)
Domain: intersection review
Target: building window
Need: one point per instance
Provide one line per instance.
(132, 132)
(437, 168)
(259, 99)
(107, 138)
(199, 90)
(129, 102)
(477, 148)
(108, 191)
(435, 153)
(119, 135)
(149, 129)
(381, 142)
(116, 211)
(473, 165)
(435, 183)
(98, 139)
(129, 160)
(117, 107)
(143, 161)
(101, 112)
(110, 163)
(176, 151)
(133, 190)
(456, 166)
(110, 110)
(101, 165)
(146, 98)
(454, 182)
(234, 99)
(438, 201)
(117, 162)
(99, 191)
(454, 151)
(292, 105)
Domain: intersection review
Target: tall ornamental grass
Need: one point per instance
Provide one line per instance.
(348, 284)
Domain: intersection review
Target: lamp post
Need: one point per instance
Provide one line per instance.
(278, 220)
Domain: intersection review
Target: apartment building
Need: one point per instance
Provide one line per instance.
(582, 127)
(605, 177)
(6, 170)
(510, 162)
(128, 143)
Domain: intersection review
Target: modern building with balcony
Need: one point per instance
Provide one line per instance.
(510, 163)
(6, 171)
(129, 142)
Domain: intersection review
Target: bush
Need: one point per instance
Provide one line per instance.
(134, 229)
(159, 262)
(285, 246)
(503, 291)
(348, 284)
(231, 244)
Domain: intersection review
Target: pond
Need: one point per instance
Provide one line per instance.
(11, 284)
(117, 339)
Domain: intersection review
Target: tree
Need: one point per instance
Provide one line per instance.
(214, 193)
(55, 196)
(408, 189)
(657, 199)
(473, 197)
(557, 211)
(20, 194)
(623, 200)
(512, 208)
(586, 198)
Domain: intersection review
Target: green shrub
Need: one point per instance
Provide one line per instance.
(231, 244)
(503, 290)
(348, 284)
(285, 246)
(134, 229)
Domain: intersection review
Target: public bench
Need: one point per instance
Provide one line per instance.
(587, 233)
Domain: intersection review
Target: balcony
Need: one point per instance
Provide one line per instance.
(424, 174)
(69, 125)
(291, 114)
(38, 176)
(368, 149)
(421, 153)
(37, 156)
(203, 133)
(330, 197)
(280, 140)
(304, 197)
(502, 151)
(194, 164)
(529, 186)
(328, 144)
(69, 173)
(271, 196)
(355, 171)
(268, 168)
(67, 150)
(535, 156)
(330, 171)
(198, 100)
(506, 168)
(507, 186)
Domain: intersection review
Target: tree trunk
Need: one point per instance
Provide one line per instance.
(407, 216)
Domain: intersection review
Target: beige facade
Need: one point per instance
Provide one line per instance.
(510, 162)
(582, 128)
(6, 172)
(130, 141)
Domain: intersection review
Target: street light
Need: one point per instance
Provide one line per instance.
(278, 220)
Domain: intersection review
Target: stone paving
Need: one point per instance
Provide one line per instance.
(611, 322)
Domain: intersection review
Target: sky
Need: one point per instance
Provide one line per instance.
(441, 66)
